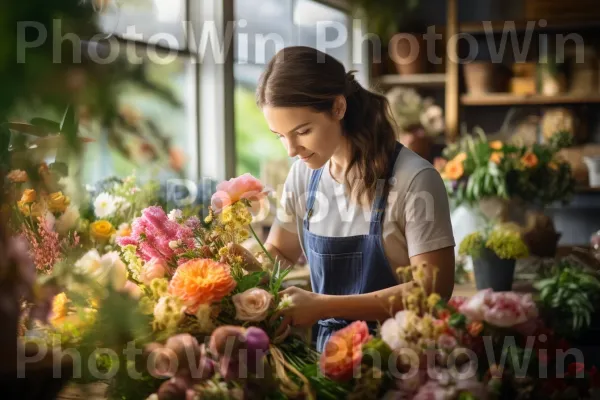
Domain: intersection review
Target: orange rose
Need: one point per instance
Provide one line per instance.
(496, 157)
(33, 209)
(29, 196)
(454, 170)
(243, 187)
(529, 160)
(496, 145)
(343, 351)
(201, 281)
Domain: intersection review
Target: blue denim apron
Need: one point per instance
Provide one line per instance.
(348, 265)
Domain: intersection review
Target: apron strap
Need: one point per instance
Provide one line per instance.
(313, 184)
(381, 195)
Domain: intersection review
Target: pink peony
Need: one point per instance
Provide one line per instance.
(503, 309)
(243, 187)
(252, 305)
(153, 269)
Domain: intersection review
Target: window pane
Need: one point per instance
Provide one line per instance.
(324, 28)
(157, 120)
(157, 21)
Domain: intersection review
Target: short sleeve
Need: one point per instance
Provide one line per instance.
(427, 214)
(288, 207)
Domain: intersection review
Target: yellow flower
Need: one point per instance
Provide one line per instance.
(432, 300)
(59, 309)
(553, 166)
(33, 209)
(58, 202)
(101, 230)
(29, 196)
(496, 145)
(496, 157)
(454, 169)
(124, 230)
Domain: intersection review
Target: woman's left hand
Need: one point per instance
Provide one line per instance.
(305, 309)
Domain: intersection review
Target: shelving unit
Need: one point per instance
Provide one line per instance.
(420, 80)
(509, 99)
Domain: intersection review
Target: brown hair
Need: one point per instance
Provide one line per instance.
(301, 76)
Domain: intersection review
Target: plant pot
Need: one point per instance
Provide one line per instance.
(493, 272)
(479, 77)
(407, 52)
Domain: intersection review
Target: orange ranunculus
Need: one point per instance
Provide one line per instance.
(29, 196)
(496, 157)
(460, 157)
(343, 351)
(496, 145)
(454, 170)
(243, 187)
(201, 281)
(529, 160)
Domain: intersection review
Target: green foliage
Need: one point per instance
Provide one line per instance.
(504, 242)
(570, 296)
(384, 16)
(254, 141)
(478, 169)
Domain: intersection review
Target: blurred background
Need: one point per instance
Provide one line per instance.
(166, 87)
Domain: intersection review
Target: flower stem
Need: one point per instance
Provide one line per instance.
(261, 245)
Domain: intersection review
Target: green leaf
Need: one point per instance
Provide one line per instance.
(249, 281)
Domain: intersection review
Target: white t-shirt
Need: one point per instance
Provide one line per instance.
(416, 219)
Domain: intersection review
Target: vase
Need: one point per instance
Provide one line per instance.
(493, 272)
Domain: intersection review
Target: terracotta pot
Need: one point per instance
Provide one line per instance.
(408, 53)
(479, 77)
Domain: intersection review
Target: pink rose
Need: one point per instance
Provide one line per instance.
(243, 187)
(155, 268)
(252, 305)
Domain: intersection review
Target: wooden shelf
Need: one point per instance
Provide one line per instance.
(498, 26)
(508, 99)
(422, 80)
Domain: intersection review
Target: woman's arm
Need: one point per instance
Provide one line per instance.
(308, 307)
(283, 245)
(384, 303)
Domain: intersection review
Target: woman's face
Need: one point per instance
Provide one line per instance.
(310, 135)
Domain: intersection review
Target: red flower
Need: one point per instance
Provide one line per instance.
(343, 351)
(444, 315)
(594, 377)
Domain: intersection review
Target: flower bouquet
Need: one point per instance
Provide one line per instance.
(494, 251)
(476, 169)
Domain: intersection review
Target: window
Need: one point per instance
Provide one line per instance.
(266, 27)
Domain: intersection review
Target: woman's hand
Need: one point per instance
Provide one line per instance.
(305, 310)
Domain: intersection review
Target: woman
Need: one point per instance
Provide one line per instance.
(356, 202)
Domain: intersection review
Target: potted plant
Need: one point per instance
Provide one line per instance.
(387, 18)
(494, 252)
(419, 120)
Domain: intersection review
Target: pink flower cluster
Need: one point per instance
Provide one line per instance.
(502, 309)
(46, 246)
(155, 236)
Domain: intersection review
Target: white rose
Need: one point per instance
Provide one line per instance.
(252, 305)
(68, 220)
